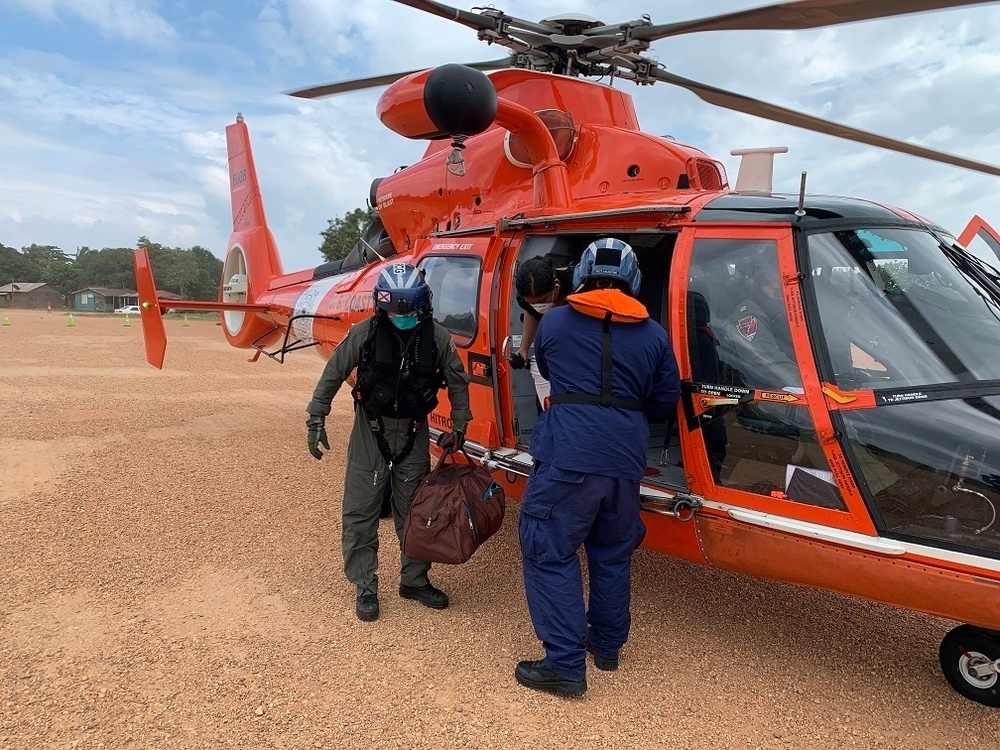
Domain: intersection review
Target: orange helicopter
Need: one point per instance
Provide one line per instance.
(840, 419)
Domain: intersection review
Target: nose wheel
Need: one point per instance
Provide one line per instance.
(970, 660)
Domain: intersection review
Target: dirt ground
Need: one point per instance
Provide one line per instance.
(170, 577)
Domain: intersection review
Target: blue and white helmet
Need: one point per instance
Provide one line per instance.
(609, 258)
(401, 288)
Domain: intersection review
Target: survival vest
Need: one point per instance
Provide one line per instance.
(609, 306)
(398, 375)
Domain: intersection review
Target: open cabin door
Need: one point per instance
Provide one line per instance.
(654, 250)
(461, 274)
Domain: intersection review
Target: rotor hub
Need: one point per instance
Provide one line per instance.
(571, 23)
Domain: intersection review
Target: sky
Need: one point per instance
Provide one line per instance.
(113, 112)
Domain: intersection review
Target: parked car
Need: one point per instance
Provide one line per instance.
(128, 310)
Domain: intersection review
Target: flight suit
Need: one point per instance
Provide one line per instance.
(584, 487)
(762, 343)
(367, 469)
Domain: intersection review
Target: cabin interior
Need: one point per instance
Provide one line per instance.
(654, 251)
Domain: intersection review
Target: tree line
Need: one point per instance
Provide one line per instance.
(193, 273)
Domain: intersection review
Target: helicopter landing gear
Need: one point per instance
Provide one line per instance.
(970, 660)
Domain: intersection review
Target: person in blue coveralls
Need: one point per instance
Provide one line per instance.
(611, 369)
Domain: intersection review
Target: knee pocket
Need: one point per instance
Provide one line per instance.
(546, 537)
(533, 531)
(543, 538)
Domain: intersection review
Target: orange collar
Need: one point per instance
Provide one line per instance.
(597, 303)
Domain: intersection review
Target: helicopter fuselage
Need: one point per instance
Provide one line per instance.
(842, 434)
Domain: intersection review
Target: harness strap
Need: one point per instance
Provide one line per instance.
(377, 427)
(606, 398)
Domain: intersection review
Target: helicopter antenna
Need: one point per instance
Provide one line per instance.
(800, 211)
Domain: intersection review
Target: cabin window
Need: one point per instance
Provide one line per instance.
(739, 336)
(454, 282)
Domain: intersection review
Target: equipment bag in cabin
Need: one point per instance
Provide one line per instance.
(456, 508)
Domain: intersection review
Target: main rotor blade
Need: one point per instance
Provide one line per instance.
(750, 106)
(803, 14)
(329, 89)
(472, 20)
(478, 21)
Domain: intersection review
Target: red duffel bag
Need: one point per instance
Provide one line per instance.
(456, 508)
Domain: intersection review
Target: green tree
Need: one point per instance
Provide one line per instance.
(193, 274)
(16, 266)
(342, 234)
(109, 267)
(209, 273)
(45, 257)
(63, 277)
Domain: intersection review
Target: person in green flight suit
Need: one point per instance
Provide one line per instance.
(403, 358)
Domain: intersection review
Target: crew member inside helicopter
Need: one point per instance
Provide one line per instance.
(758, 329)
(611, 368)
(541, 282)
(403, 357)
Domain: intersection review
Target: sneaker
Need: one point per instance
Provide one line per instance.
(367, 607)
(427, 595)
(535, 675)
(606, 663)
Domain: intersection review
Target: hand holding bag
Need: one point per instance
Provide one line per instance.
(456, 508)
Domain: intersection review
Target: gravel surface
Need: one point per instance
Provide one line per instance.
(170, 576)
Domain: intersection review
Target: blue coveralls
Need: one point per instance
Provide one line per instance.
(584, 488)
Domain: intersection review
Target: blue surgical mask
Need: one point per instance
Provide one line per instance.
(405, 322)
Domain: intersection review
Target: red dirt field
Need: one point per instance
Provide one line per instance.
(170, 577)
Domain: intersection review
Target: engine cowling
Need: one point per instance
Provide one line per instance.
(440, 103)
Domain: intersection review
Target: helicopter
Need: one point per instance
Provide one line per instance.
(865, 459)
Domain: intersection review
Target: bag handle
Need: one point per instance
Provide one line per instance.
(445, 455)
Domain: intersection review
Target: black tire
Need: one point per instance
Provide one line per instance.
(964, 646)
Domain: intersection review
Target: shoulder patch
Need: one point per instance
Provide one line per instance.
(747, 327)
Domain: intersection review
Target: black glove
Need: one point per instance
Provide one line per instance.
(451, 442)
(518, 362)
(317, 435)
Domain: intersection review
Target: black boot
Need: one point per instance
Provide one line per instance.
(535, 675)
(366, 607)
(427, 595)
(607, 663)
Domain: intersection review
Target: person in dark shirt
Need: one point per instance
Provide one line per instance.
(611, 368)
(541, 285)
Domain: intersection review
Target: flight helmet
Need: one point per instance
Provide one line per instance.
(401, 289)
(608, 262)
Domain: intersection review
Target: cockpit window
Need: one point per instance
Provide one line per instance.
(899, 309)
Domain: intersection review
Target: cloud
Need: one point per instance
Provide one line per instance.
(129, 20)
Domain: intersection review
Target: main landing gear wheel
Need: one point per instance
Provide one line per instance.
(970, 660)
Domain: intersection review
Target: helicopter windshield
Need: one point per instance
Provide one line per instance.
(900, 309)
